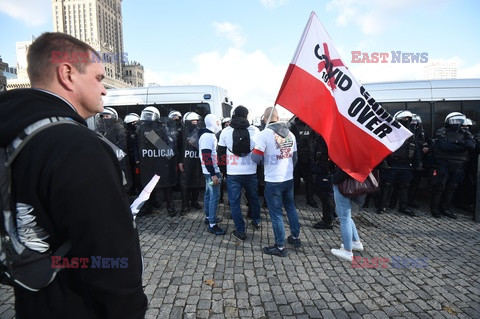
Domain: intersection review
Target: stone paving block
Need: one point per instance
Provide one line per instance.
(180, 256)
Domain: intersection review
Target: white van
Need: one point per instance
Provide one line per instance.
(431, 99)
(202, 99)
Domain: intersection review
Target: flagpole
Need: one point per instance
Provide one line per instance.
(270, 115)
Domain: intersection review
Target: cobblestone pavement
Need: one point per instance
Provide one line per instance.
(190, 273)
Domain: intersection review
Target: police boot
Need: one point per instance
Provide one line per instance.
(447, 201)
(403, 200)
(309, 192)
(171, 209)
(195, 204)
(435, 198)
(383, 197)
(185, 206)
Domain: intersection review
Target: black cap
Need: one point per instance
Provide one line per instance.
(240, 111)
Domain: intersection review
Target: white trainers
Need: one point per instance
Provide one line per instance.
(358, 246)
(343, 254)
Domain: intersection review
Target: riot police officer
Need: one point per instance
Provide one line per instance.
(451, 146)
(158, 154)
(398, 169)
(131, 123)
(323, 168)
(107, 124)
(416, 127)
(304, 168)
(191, 176)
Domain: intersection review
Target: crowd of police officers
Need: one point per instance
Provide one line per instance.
(168, 146)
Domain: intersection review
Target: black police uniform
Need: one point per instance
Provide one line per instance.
(305, 150)
(451, 147)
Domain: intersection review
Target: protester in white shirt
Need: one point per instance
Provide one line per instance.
(277, 148)
(207, 144)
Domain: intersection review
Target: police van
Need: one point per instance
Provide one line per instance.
(432, 100)
(202, 99)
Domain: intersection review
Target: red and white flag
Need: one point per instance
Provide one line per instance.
(321, 91)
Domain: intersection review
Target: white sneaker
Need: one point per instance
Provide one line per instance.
(343, 254)
(358, 246)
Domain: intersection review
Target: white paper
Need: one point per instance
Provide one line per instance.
(144, 195)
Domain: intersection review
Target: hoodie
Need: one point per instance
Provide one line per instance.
(207, 144)
(69, 181)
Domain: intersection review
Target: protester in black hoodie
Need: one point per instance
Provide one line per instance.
(71, 182)
(241, 171)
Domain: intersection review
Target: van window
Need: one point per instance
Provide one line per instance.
(226, 110)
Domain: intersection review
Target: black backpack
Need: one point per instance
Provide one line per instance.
(20, 265)
(241, 142)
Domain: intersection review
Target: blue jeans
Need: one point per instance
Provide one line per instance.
(211, 198)
(276, 195)
(234, 187)
(343, 207)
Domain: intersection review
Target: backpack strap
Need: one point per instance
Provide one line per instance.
(28, 133)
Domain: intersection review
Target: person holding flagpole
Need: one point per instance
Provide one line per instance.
(276, 147)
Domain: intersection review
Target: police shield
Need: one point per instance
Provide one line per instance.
(192, 175)
(157, 141)
(115, 133)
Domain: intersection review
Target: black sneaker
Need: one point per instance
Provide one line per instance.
(274, 250)
(255, 225)
(219, 219)
(216, 230)
(449, 214)
(295, 242)
(323, 225)
(239, 235)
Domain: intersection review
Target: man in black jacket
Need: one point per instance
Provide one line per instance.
(69, 181)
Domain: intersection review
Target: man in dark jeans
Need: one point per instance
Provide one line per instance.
(241, 171)
(276, 146)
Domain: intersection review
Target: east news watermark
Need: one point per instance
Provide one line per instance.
(389, 57)
(92, 262)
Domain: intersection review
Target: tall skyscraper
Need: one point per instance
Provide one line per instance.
(98, 23)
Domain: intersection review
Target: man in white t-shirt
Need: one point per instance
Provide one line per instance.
(277, 148)
(241, 171)
(207, 144)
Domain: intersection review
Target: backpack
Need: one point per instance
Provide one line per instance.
(241, 142)
(19, 264)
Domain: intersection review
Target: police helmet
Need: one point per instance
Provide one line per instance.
(416, 119)
(107, 114)
(191, 116)
(131, 118)
(468, 122)
(403, 115)
(226, 119)
(455, 118)
(150, 113)
(173, 114)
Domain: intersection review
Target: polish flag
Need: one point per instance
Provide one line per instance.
(321, 91)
